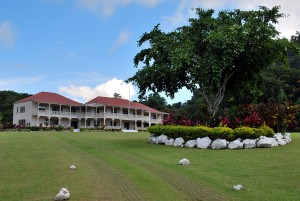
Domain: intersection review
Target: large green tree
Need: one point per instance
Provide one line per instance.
(211, 54)
(155, 101)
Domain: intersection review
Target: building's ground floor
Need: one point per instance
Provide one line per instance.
(91, 123)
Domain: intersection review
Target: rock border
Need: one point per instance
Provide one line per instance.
(205, 143)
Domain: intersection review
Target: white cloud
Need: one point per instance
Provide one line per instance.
(287, 26)
(107, 7)
(107, 89)
(7, 38)
(123, 37)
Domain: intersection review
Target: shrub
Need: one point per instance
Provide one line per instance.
(188, 132)
(221, 133)
(244, 132)
(59, 128)
(265, 131)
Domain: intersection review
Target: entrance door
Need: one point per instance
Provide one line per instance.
(74, 124)
(126, 125)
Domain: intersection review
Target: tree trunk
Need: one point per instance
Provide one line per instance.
(214, 100)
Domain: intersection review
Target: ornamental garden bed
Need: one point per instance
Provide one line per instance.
(217, 138)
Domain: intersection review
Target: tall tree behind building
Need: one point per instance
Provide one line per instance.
(7, 99)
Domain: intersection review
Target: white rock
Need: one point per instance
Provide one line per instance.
(264, 142)
(278, 135)
(152, 139)
(274, 142)
(219, 144)
(178, 142)
(236, 144)
(72, 167)
(190, 143)
(249, 143)
(63, 194)
(184, 161)
(281, 141)
(161, 139)
(287, 138)
(170, 142)
(203, 143)
(238, 187)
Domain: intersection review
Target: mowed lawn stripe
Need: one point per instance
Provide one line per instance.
(34, 167)
(177, 183)
(128, 180)
(113, 183)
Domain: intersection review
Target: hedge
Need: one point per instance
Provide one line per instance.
(194, 132)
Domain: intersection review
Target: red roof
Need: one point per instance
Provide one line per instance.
(48, 97)
(120, 103)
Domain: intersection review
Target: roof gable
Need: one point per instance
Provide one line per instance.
(48, 97)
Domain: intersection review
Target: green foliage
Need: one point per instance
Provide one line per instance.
(265, 131)
(222, 133)
(7, 99)
(194, 132)
(210, 54)
(246, 133)
(155, 101)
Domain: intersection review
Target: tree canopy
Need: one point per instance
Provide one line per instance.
(7, 99)
(211, 54)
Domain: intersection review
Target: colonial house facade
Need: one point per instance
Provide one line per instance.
(51, 109)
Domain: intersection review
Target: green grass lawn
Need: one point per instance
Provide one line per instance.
(124, 166)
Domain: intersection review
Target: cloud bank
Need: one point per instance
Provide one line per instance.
(107, 89)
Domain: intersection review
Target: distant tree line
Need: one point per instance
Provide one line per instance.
(7, 99)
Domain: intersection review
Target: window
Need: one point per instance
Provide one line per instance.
(17, 110)
(42, 108)
(22, 122)
(22, 109)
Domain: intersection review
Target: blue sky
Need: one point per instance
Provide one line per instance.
(85, 48)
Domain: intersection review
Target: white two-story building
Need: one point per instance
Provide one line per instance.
(51, 109)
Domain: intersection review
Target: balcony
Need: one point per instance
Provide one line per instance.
(64, 114)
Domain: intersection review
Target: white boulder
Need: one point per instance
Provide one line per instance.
(236, 144)
(63, 194)
(178, 142)
(72, 167)
(278, 135)
(161, 139)
(264, 142)
(219, 144)
(274, 142)
(152, 139)
(184, 161)
(190, 143)
(203, 143)
(249, 143)
(281, 141)
(170, 142)
(287, 138)
(238, 187)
